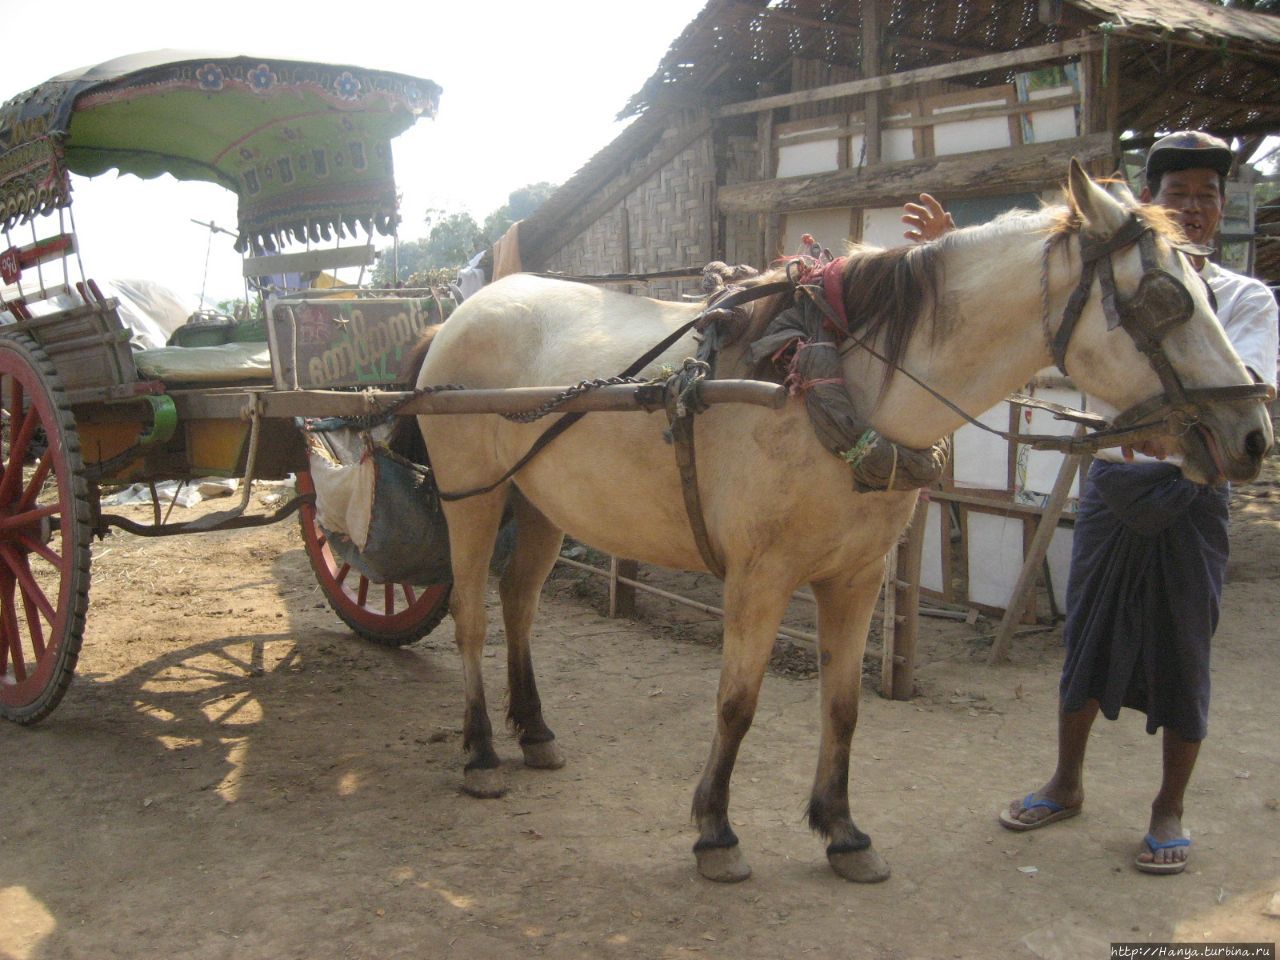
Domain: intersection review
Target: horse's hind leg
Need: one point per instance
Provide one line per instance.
(538, 544)
(844, 614)
(473, 524)
(753, 606)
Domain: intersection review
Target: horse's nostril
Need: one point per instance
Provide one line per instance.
(1255, 444)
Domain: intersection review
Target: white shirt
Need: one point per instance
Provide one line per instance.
(1248, 314)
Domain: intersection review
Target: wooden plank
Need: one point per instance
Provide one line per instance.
(1005, 170)
(308, 261)
(871, 68)
(907, 78)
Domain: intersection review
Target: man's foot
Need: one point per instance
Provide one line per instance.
(1039, 809)
(1164, 849)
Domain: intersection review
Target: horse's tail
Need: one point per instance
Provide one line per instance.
(406, 439)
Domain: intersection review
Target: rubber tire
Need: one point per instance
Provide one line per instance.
(397, 629)
(26, 701)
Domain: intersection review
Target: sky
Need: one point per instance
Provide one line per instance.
(531, 90)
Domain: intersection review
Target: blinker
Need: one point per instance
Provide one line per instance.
(1160, 304)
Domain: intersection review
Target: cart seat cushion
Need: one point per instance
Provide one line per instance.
(223, 363)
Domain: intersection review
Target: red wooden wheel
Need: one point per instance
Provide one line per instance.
(44, 535)
(393, 614)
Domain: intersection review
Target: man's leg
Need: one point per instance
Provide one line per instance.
(1166, 810)
(1066, 787)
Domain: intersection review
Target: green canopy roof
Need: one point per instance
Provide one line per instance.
(305, 146)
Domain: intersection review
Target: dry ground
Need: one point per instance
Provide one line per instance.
(233, 776)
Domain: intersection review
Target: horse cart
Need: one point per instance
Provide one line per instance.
(306, 147)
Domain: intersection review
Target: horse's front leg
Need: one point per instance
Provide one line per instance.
(845, 604)
(753, 608)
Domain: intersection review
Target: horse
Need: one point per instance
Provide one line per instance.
(968, 314)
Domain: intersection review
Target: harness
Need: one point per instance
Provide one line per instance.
(1160, 305)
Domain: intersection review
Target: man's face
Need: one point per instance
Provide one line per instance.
(1195, 201)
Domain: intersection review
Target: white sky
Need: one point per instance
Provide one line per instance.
(531, 88)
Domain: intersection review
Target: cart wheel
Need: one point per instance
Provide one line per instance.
(392, 614)
(44, 534)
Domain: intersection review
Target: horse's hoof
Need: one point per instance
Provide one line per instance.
(543, 756)
(723, 864)
(484, 782)
(860, 866)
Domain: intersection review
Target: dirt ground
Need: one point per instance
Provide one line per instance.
(232, 775)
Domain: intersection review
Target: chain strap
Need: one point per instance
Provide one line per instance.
(560, 399)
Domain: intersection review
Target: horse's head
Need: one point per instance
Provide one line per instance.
(1139, 333)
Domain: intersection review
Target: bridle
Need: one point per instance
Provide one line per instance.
(1160, 305)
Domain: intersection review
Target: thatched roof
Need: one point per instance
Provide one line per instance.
(1185, 63)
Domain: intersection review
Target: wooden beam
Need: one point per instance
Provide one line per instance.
(1009, 169)
(308, 261)
(906, 78)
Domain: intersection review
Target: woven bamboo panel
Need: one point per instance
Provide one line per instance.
(663, 224)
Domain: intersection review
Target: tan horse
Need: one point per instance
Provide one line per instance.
(779, 507)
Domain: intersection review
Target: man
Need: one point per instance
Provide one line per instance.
(1150, 547)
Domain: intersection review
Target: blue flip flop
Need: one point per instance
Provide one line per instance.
(1152, 846)
(1057, 812)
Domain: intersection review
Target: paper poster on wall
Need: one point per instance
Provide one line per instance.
(1059, 560)
(931, 577)
(994, 550)
(980, 458)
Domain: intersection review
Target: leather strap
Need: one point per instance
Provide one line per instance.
(687, 462)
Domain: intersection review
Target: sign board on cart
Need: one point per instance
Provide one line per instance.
(324, 344)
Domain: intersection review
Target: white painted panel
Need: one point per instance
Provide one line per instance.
(818, 156)
(931, 557)
(1059, 560)
(963, 136)
(883, 227)
(1058, 124)
(1042, 466)
(898, 144)
(830, 227)
(995, 557)
(981, 459)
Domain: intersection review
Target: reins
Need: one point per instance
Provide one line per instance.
(727, 302)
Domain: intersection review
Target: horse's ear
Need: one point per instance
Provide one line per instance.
(1100, 213)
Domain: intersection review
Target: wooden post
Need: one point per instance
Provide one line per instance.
(890, 624)
(1035, 554)
(871, 68)
(905, 589)
(622, 596)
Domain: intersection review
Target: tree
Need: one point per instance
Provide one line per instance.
(452, 239)
(520, 203)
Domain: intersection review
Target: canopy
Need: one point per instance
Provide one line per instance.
(305, 146)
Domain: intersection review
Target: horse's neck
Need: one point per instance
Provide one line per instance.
(986, 341)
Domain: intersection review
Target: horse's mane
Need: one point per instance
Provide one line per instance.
(892, 290)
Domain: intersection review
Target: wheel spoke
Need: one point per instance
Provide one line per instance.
(20, 439)
(409, 595)
(37, 481)
(341, 575)
(17, 563)
(42, 549)
(27, 518)
(9, 626)
(389, 598)
(362, 594)
(34, 626)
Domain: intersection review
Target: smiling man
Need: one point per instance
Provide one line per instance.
(1150, 548)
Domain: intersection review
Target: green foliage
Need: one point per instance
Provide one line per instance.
(241, 310)
(453, 239)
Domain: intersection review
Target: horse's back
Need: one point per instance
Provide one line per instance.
(525, 330)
